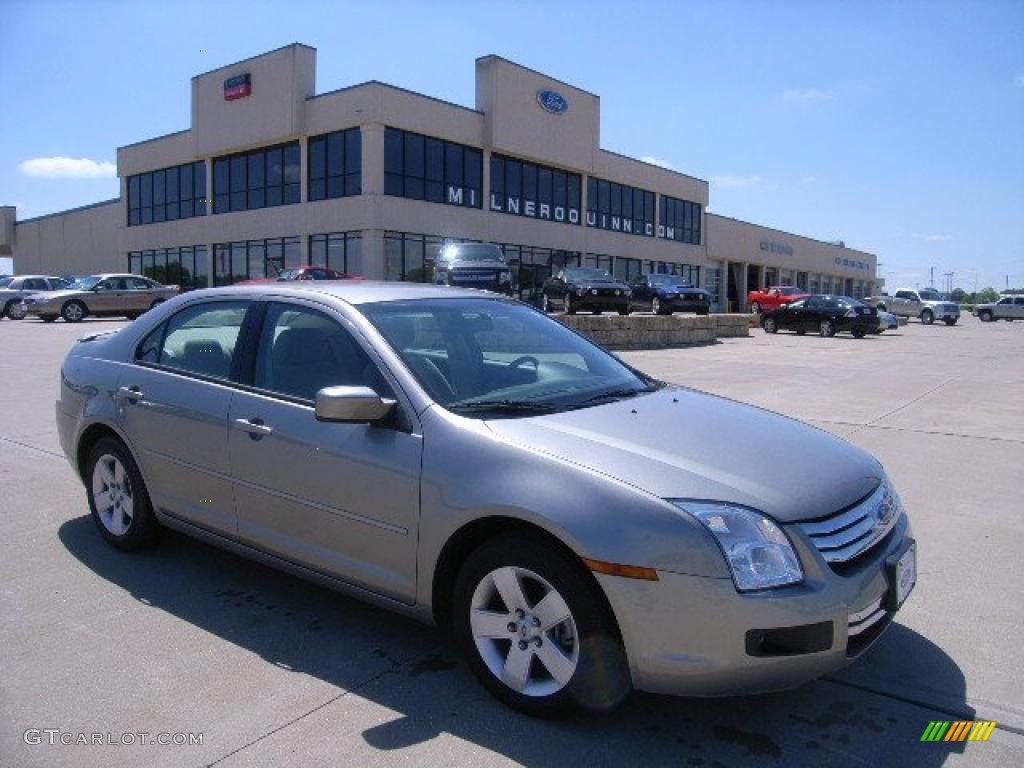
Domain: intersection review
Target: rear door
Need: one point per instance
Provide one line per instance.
(1018, 308)
(174, 409)
(342, 499)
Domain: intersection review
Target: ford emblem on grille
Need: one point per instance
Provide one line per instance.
(552, 101)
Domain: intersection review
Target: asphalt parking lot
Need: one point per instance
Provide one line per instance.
(271, 670)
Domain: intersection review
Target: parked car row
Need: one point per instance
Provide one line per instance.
(582, 289)
(103, 295)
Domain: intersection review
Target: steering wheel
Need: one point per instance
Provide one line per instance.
(525, 359)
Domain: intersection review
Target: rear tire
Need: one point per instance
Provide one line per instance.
(624, 310)
(118, 498)
(859, 333)
(927, 317)
(985, 316)
(769, 325)
(520, 604)
(827, 329)
(73, 312)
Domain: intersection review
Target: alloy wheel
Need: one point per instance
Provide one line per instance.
(72, 312)
(769, 325)
(524, 631)
(16, 310)
(112, 494)
(655, 306)
(755, 308)
(826, 328)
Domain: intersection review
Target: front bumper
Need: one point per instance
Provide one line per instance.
(599, 301)
(945, 314)
(679, 304)
(691, 635)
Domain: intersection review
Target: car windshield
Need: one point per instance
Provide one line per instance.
(930, 295)
(486, 357)
(5, 281)
(472, 252)
(85, 283)
(669, 280)
(849, 301)
(587, 273)
(788, 291)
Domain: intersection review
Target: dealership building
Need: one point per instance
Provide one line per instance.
(373, 179)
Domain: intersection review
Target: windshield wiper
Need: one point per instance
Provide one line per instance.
(503, 405)
(617, 394)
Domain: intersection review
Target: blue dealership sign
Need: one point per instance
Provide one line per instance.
(552, 101)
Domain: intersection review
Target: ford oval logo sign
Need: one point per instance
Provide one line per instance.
(553, 102)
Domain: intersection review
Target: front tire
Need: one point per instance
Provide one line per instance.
(656, 306)
(985, 316)
(927, 317)
(769, 325)
(13, 310)
(625, 310)
(536, 631)
(950, 321)
(73, 312)
(756, 308)
(826, 329)
(859, 333)
(118, 498)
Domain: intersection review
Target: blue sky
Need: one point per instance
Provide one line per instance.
(897, 127)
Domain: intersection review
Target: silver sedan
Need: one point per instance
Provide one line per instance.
(102, 295)
(460, 457)
(13, 290)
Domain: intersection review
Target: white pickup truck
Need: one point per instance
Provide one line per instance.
(926, 304)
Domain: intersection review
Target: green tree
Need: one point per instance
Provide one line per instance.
(986, 296)
(959, 295)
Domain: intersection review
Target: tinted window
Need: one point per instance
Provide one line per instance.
(335, 164)
(301, 351)
(167, 194)
(261, 178)
(202, 338)
(424, 168)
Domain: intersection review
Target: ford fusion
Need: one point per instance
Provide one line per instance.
(458, 456)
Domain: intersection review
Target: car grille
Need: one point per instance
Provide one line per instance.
(851, 532)
(950, 307)
(693, 296)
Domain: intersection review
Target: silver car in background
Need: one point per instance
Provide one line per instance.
(462, 458)
(14, 289)
(105, 295)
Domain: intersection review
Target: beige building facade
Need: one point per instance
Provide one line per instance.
(373, 179)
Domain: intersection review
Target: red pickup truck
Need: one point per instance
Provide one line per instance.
(773, 298)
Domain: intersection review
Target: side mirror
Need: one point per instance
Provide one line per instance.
(359, 405)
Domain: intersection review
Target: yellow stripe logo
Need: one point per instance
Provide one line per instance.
(958, 730)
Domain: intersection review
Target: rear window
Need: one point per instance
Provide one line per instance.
(200, 339)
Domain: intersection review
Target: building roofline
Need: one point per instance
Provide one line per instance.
(79, 209)
(252, 58)
(155, 138)
(496, 57)
(790, 234)
(382, 84)
(655, 165)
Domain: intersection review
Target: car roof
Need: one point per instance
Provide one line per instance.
(354, 291)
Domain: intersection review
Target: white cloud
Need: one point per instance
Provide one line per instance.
(656, 161)
(735, 182)
(1019, 80)
(67, 168)
(809, 180)
(806, 96)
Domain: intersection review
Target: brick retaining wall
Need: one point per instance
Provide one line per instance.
(654, 331)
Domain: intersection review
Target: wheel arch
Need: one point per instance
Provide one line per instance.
(89, 437)
(464, 541)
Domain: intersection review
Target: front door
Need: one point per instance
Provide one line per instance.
(107, 296)
(341, 499)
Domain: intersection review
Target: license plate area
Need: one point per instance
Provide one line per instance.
(901, 572)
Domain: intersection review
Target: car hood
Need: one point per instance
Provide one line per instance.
(680, 443)
(680, 289)
(457, 266)
(588, 284)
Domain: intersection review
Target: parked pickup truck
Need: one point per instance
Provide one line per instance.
(926, 304)
(1008, 308)
(773, 298)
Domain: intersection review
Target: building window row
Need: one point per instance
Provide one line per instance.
(335, 165)
(536, 191)
(619, 207)
(679, 220)
(254, 259)
(260, 178)
(168, 194)
(338, 250)
(424, 168)
(187, 266)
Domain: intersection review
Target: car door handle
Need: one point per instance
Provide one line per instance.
(255, 427)
(132, 394)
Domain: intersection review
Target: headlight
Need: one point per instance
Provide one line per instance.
(758, 552)
(618, 293)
